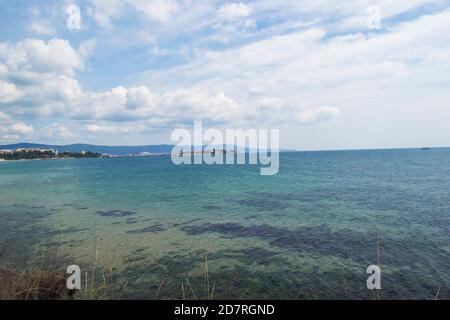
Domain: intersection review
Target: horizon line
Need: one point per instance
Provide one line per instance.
(281, 149)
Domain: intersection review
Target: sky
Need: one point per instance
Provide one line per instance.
(327, 74)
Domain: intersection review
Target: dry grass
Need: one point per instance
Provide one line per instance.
(378, 292)
(99, 283)
(33, 285)
(48, 282)
(38, 283)
(188, 291)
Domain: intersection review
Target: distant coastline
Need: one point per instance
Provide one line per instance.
(42, 154)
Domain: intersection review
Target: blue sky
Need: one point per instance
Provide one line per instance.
(131, 71)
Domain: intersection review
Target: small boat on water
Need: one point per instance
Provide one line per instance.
(425, 148)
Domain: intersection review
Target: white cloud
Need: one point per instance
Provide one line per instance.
(297, 71)
(56, 131)
(115, 129)
(234, 11)
(34, 55)
(4, 117)
(317, 115)
(87, 48)
(37, 77)
(13, 131)
(158, 10)
(293, 72)
(139, 103)
(42, 27)
(8, 92)
(162, 11)
(104, 11)
(305, 68)
(20, 129)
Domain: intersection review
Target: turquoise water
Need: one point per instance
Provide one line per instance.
(307, 233)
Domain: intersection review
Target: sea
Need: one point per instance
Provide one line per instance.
(148, 229)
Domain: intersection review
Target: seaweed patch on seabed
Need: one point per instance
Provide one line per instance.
(116, 213)
(22, 232)
(151, 229)
(346, 244)
(190, 221)
(131, 221)
(74, 206)
(66, 231)
(249, 255)
(233, 281)
(262, 204)
(278, 196)
(317, 240)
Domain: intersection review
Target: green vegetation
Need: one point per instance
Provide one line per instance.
(33, 154)
(28, 154)
(79, 155)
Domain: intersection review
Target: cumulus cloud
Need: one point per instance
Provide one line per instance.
(297, 71)
(356, 73)
(284, 63)
(37, 77)
(38, 80)
(21, 128)
(139, 103)
(34, 55)
(8, 92)
(13, 131)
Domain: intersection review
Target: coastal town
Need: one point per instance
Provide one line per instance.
(41, 154)
(50, 153)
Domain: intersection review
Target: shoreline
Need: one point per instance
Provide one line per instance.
(40, 159)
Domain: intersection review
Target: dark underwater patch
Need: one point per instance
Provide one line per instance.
(264, 204)
(116, 213)
(235, 281)
(131, 221)
(278, 196)
(66, 231)
(248, 256)
(134, 259)
(191, 221)
(316, 240)
(22, 232)
(74, 206)
(150, 229)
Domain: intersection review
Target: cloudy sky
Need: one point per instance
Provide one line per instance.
(328, 74)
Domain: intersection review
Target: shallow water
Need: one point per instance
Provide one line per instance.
(308, 232)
